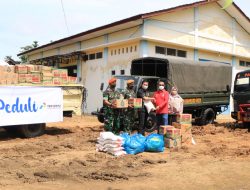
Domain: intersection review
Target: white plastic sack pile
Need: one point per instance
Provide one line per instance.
(110, 143)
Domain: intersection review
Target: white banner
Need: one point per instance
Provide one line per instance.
(27, 105)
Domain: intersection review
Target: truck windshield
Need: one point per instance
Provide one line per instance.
(121, 83)
(242, 82)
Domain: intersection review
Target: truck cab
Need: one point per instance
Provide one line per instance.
(241, 97)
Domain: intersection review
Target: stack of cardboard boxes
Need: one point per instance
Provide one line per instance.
(8, 75)
(179, 133)
(34, 74)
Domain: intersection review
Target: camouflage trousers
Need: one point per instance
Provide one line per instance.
(112, 120)
(129, 120)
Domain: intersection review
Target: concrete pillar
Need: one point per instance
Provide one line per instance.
(144, 48)
(196, 33)
(79, 65)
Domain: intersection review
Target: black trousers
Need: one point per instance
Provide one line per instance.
(143, 116)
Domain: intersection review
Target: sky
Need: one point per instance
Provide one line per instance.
(24, 21)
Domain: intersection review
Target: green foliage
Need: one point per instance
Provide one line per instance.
(24, 58)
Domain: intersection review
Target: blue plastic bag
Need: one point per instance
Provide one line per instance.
(154, 143)
(134, 144)
(126, 138)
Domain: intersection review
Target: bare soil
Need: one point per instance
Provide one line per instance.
(65, 158)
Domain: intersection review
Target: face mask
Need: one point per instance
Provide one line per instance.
(131, 87)
(145, 87)
(161, 87)
(112, 85)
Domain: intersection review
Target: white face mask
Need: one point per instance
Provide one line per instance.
(145, 87)
(161, 87)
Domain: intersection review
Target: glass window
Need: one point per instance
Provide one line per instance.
(171, 51)
(122, 50)
(126, 49)
(135, 48)
(113, 72)
(181, 53)
(92, 56)
(119, 51)
(86, 57)
(248, 64)
(131, 49)
(111, 52)
(160, 50)
(122, 72)
(99, 55)
(242, 63)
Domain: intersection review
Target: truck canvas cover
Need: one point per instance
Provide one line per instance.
(193, 77)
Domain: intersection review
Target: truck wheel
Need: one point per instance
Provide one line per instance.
(100, 116)
(246, 124)
(207, 117)
(151, 123)
(12, 130)
(33, 130)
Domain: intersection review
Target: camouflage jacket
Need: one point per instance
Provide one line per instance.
(129, 94)
(110, 95)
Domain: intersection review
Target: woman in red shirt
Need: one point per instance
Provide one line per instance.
(161, 102)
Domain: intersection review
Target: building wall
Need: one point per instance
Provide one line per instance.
(95, 72)
(152, 53)
(205, 32)
(172, 28)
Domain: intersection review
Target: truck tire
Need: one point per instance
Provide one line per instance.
(100, 116)
(151, 124)
(207, 117)
(32, 130)
(12, 130)
(246, 124)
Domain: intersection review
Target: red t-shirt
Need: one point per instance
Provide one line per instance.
(161, 100)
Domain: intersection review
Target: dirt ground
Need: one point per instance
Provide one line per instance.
(65, 158)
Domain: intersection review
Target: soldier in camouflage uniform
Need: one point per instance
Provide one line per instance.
(129, 118)
(112, 120)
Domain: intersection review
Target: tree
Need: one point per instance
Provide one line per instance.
(24, 58)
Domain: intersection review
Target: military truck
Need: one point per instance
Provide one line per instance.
(204, 86)
(241, 97)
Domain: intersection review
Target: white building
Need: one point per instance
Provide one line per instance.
(199, 31)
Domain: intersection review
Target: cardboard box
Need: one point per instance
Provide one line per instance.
(64, 80)
(56, 73)
(34, 68)
(172, 143)
(28, 78)
(185, 128)
(184, 118)
(47, 74)
(135, 102)
(36, 78)
(72, 80)
(2, 82)
(21, 78)
(186, 132)
(49, 82)
(57, 81)
(63, 73)
(21, 69)
(47, 68)
(186, 139)
(9, 69)
(173, 133)
(163, 129)
(121, 103)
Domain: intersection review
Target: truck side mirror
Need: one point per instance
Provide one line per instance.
(102, 86)
(228, 88)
